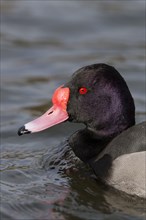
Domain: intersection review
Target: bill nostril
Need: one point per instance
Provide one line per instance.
(50, 113)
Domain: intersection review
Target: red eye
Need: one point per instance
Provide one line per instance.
(83, 90)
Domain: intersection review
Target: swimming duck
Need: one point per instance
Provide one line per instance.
(111, 143)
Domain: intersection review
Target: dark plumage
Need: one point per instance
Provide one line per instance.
(98, 96)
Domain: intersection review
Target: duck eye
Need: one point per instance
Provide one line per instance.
(83, 90)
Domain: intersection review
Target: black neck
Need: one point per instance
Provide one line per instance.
(86, 143)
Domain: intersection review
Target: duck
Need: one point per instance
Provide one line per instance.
(110, 143)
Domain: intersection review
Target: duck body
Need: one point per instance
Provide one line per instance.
(120, 162)
(111, 143)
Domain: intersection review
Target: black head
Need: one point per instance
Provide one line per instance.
(97, 96)
(100, 98)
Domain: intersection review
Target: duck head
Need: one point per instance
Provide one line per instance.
(97, 96)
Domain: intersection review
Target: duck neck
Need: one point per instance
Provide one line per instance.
(87, 143)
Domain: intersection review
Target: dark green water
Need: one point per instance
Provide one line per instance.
(43, 43)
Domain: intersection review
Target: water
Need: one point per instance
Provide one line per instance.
(43, 43)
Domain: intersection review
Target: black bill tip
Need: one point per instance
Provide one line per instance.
(22, 131)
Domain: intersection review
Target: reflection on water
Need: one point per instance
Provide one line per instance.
(43, 43)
